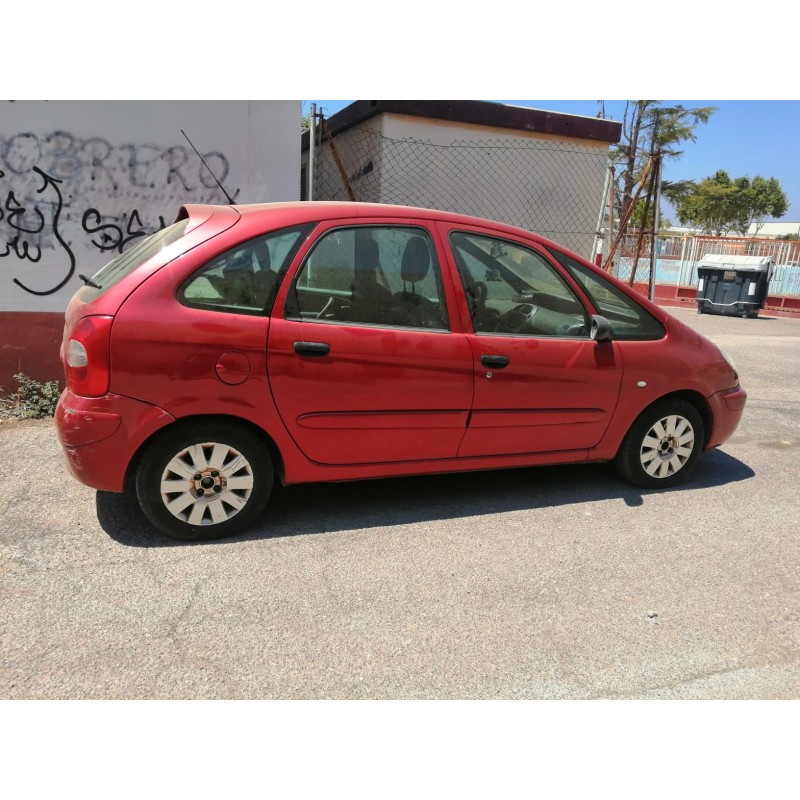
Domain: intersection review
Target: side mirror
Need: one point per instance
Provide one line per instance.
(601, 329)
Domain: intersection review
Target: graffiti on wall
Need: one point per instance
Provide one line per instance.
(60, 194)
(115, 233)
(22, 242)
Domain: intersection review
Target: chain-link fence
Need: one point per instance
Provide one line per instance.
(556, 188)
(677, 258)
(552, 187)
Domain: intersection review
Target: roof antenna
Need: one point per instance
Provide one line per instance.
(230, 199)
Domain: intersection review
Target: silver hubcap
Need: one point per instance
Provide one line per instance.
(207, 483)
(667, 446)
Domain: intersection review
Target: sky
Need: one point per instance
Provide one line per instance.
(743, 137)
(430, 51)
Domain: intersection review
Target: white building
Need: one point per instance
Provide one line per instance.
(79, 180)
(539, 170)
(775, 229)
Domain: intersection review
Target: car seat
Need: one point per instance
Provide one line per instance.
(371, 302)
(265, 278)
(416, 310)
(238, 280)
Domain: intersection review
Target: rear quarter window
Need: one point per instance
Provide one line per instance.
(245, 278)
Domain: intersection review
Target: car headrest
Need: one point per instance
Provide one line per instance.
(416, 260)
(263, 256)
(367, 255)
(241, 262)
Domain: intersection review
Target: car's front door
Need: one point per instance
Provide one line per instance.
(363, 365)
(541, 383)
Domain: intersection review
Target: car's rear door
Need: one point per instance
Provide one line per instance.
(364, 363)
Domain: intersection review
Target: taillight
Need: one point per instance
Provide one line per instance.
(86, 356)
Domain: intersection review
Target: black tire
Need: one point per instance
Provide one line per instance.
(657, 457)
(231, 466)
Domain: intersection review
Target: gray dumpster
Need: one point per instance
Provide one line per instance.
(735, 286)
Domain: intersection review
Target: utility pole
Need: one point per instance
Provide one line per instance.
(659, 158)
(312, 138)
(656, 223)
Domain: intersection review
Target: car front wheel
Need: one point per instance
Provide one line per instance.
(662, 445)
(206, 481)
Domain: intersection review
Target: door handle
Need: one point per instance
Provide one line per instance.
(498, 362)
(311, 348)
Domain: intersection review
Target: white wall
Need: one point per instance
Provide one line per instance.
(79, 179)
(549, 184)
(445, 132)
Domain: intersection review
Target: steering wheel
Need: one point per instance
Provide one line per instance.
(483, 317)
(518, 319)
(479, 293)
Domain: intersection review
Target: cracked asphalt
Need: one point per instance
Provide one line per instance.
(542, 583)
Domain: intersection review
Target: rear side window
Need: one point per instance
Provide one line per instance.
(628, 319)
(371, 275)
(125, 263)
(245, 279)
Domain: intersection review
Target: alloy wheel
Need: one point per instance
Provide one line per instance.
(667, 446)
(206, 483)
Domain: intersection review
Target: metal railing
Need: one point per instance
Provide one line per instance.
(677, 258)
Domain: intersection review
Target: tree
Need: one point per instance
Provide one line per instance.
(719, 205)
(711, 205)
(647, 129)
(637, 219)
(764, 198)
(650, 134)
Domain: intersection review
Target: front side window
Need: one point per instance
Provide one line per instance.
(244, 279)
(511, 289)
(371, 275)
(627, 318)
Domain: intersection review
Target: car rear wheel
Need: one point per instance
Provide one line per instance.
(662, 445)
(206, 481)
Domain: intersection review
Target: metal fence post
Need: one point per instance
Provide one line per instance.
(597, 255)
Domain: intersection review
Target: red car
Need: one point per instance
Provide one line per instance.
(306, 342)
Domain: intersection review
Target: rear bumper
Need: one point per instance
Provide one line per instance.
(100, 435)
(727, 408)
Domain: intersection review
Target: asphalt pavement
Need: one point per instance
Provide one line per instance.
(543, 583)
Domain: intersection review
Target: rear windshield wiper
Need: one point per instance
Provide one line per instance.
(89, 281)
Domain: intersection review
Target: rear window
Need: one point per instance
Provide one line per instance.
(125, 263)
